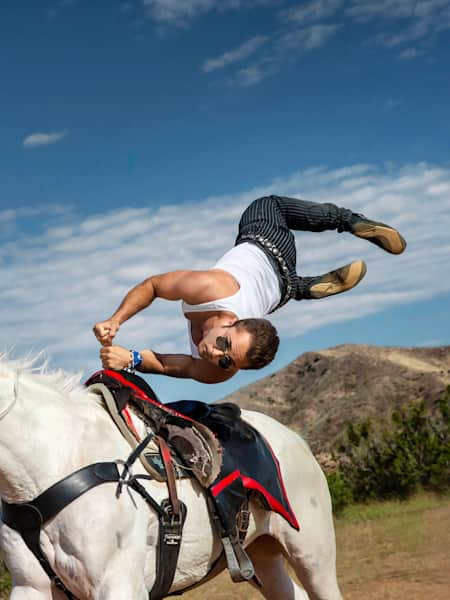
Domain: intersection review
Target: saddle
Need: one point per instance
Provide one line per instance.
(194, 443)
(210, 442)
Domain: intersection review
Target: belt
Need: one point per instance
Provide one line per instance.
(278, 262)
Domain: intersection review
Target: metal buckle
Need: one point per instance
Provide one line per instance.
(169, 517)
(172, 539)
(124, 478)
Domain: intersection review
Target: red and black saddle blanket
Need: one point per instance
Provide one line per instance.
(248, 462)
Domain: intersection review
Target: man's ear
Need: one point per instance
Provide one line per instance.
(232, 321)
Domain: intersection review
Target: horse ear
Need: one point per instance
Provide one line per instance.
(8, 390)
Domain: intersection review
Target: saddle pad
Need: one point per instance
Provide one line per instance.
(248, 460)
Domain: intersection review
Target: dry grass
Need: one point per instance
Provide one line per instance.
(386, 551)
(396, 551)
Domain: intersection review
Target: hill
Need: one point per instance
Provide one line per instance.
(319, 392)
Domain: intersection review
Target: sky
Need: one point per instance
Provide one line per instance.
(134, 133)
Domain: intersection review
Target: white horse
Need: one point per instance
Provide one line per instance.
(104, 548)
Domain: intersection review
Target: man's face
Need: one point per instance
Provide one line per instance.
(225, 347)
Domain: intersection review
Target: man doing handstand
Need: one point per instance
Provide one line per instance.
(224, 305)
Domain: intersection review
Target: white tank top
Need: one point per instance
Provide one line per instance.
(259, 290)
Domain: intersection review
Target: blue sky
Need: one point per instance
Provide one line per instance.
(134, 133)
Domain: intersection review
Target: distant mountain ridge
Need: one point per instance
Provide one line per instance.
(319, 392)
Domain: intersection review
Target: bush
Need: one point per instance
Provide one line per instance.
(392, 460)
(5, 581)
(340, 491)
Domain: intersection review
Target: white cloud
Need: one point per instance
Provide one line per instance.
(311, 11)
(286, 47)
(59, 280)
(412, 33)
(412, 21)
(410, 53)
(310, 37)
(176, 12)
(236, 55)
(393, 24)
(43, 139)
(254, 73)
(180, 13)
(396, 9)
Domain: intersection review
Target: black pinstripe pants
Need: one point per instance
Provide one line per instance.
(268, 222)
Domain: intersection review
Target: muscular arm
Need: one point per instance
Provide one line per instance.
(192, 286)
(176, 285)
(183, 366)
(172, 365)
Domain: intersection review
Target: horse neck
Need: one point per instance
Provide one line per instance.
(40, 440)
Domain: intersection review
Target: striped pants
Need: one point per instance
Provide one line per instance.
(269, 221)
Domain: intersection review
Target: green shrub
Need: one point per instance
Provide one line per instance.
(340, 491)
(5, 581)
(393, 460)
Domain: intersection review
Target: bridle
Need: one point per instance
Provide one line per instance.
(14, 400)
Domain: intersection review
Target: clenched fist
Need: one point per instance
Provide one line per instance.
(115, 357)
(106, 331)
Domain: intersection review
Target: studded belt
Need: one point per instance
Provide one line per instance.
(277, 260)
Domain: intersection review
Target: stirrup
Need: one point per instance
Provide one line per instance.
(239, 563)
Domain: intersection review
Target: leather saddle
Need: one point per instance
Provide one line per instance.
(228, 456)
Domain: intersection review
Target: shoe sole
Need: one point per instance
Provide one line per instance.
(387, 238)
(341, 280)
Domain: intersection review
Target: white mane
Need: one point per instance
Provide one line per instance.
(37, 368)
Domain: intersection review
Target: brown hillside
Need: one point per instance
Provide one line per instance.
(319, 392)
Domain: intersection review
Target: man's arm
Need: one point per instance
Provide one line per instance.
(173, 365)
(191, 286)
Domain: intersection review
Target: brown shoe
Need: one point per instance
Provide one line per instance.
(335, 282)
(382, 235)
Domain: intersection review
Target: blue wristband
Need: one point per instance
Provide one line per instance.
(136, 359)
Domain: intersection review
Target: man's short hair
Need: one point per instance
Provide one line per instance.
(265, 342)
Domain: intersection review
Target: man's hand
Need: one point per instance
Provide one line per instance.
(106, 331)
(115, 357)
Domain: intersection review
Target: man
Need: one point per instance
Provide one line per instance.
(224, 305)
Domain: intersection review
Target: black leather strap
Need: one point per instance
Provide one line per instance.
(170, 532)
(28, 518)
(48, 504)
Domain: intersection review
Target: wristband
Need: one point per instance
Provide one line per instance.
(135, 360)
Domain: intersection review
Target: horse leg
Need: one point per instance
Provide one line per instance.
(29, 581)
(118, 582)
(126, 571)
(267, 557)
(311, 552)
(312, 555)
(121, 588)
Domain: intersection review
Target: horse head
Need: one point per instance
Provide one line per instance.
(42, 419)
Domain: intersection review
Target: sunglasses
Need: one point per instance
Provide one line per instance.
(224, 345)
